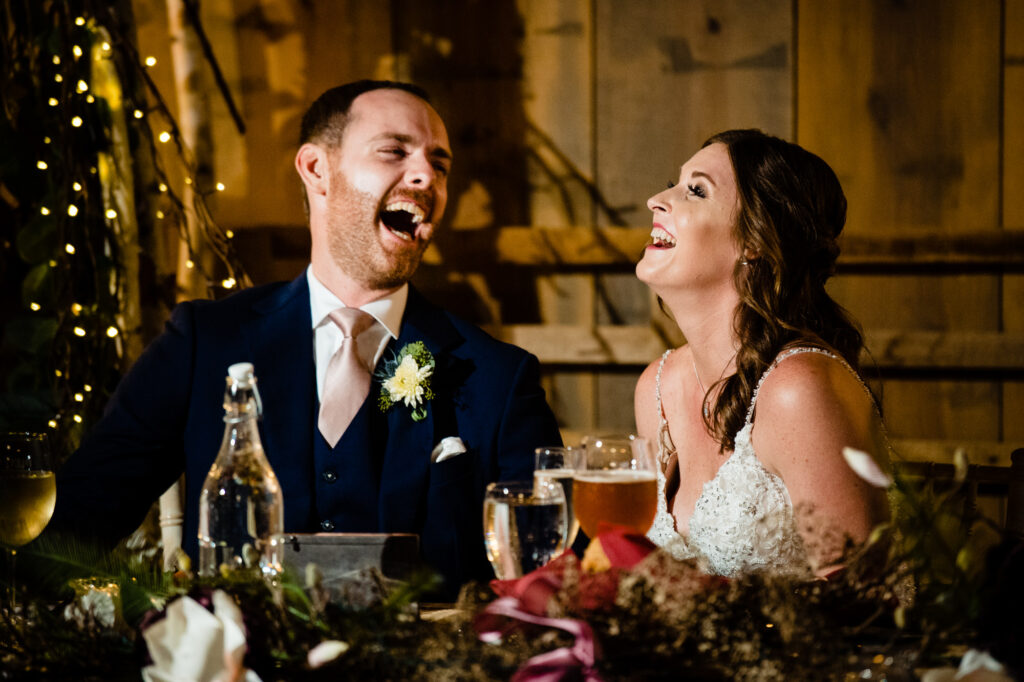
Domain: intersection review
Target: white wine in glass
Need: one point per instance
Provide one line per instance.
(28, 493)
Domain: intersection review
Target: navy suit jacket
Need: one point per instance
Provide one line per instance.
(166, 418)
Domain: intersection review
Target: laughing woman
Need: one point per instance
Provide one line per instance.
(752, 414)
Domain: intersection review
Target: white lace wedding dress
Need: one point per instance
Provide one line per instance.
(743, 521)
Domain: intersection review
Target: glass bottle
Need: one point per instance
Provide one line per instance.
(241, 511)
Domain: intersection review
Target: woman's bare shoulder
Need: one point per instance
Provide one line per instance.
(810, 380)
(649, 377)
(650, 374)
(809, 408)
(812, 403)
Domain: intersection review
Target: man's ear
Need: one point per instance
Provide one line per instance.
(311, 163)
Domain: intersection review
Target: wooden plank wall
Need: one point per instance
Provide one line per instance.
(665, 75)
(903, 100)
(566, 115)
(558, 78)
(911, 105)
(1012, 188)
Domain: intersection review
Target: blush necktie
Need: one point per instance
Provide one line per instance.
(347, 381)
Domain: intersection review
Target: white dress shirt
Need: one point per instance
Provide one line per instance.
(327, 337)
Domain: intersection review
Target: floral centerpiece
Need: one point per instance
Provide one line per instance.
(625, 611)
(920, 593)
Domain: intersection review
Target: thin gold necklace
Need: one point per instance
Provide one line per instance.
(704, 391)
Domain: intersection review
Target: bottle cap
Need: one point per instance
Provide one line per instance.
(241, 371)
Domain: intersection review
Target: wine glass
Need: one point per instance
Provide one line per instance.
(558, 465)
(525, 525)
(28, 493)
(615, 482)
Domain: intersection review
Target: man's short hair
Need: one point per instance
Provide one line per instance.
(325, 120)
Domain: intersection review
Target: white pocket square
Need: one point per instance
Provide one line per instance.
(449, 447)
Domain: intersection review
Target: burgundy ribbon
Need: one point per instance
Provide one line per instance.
(553, 665)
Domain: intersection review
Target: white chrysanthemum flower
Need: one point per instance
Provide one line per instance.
(407, 383)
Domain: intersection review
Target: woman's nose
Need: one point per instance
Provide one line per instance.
(656, 203)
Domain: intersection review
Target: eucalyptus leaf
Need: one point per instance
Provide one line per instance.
(26, 378)
(37, 240)
(965, 559)
(30, 334)
(38, 286)
(880, 531)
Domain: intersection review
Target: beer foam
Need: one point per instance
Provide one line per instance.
(615, 476)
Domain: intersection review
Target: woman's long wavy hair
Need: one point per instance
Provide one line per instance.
(791, 211)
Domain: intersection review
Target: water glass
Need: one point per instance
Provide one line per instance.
(558, 465)
(525, 526)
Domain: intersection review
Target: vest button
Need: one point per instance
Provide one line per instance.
(329, 476)
(327, 524)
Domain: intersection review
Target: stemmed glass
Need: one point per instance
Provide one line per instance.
(616, 483)
(28, 493)
(525, 526)
(558, 465)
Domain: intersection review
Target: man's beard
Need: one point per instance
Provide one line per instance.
(354, 242)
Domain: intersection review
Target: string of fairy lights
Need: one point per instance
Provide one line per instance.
(82, 127)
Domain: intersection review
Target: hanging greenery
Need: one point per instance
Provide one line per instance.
(83, 193)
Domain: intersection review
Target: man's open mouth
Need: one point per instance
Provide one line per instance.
(402, 218)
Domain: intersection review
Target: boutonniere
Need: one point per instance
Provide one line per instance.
(406, 379)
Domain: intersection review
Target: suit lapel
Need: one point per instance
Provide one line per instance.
(282, 340)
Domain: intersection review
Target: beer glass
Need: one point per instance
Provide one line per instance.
(558, 465)
(616, 483)
(28, 493)
(525, 526)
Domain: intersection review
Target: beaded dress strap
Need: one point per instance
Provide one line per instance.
(794, 351)
(657, 381)
(666, 448)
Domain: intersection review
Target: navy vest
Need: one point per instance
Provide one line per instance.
(346, 478)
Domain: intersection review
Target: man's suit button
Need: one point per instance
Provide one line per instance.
(327, 524)
(330, 476)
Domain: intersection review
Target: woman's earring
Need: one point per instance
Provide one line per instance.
(743, 262)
